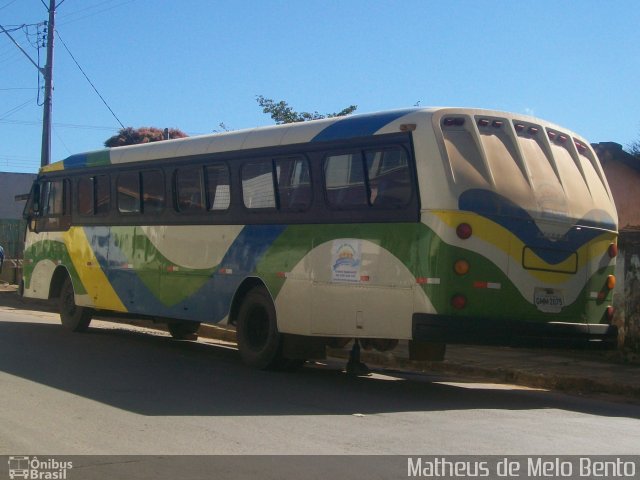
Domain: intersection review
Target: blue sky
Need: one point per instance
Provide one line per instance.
(196, 63)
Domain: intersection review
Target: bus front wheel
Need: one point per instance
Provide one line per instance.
(259, 341)
(72, 316)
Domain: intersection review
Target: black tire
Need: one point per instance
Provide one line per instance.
(73, 317)
(259, 342)
(183, 330)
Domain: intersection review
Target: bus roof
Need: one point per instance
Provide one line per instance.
(501, 162)
(336, 128)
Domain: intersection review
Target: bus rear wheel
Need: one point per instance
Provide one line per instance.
(72, 316)
(259, 342)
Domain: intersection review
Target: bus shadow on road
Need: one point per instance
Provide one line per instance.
(152, 374)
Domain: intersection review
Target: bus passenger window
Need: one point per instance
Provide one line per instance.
(85, 196)
(129, 192)
(344, 180)
(257, 185)
(152, 191)
(93, 195)
(218, 194)
(189, 186)
(389, 177)
(103, 195)
(294, 184)
(55, 200)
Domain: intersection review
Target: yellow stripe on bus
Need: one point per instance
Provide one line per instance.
(504, 240)
(91, 275)
(52, 167)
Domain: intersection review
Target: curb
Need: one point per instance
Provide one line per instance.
(565, 383)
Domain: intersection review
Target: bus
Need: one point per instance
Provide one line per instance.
(427, 225)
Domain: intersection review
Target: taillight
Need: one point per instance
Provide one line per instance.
(613, 250)
(611, 282)
(611, 311)
(464, 231)
(461, 267)
(458, 302)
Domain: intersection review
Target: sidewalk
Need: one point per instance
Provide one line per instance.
(576, 371)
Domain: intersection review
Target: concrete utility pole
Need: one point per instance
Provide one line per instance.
(45, 157)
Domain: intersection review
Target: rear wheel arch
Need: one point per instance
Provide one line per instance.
(245, 287)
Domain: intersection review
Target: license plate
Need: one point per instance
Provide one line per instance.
(548, 300)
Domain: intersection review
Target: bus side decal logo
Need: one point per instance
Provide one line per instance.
(346, 255)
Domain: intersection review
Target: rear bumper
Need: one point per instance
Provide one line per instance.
(487, 331)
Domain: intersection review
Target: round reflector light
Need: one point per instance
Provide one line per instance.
(611, 282)
(458, 302)
(613, 250)
(461, 267)
(464, 231)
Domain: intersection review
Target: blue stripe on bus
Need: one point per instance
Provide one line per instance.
(212, 301)
(249, 247)
(359, 125)
(518, 221)
(75, 161)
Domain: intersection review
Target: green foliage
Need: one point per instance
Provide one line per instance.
(133, 136)
(281, 112)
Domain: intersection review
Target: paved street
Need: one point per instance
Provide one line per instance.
(126, 390)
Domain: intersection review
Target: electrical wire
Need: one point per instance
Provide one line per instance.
(88, 80)
(15, 109)
(66, 19)
(5, 6)
(61, 125)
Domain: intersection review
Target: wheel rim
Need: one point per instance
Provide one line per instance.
(257, 331)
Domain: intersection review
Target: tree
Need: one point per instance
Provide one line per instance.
(281, 112)
(133, 136)
(634, 148)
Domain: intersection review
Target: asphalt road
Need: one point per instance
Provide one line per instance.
(129, 391)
